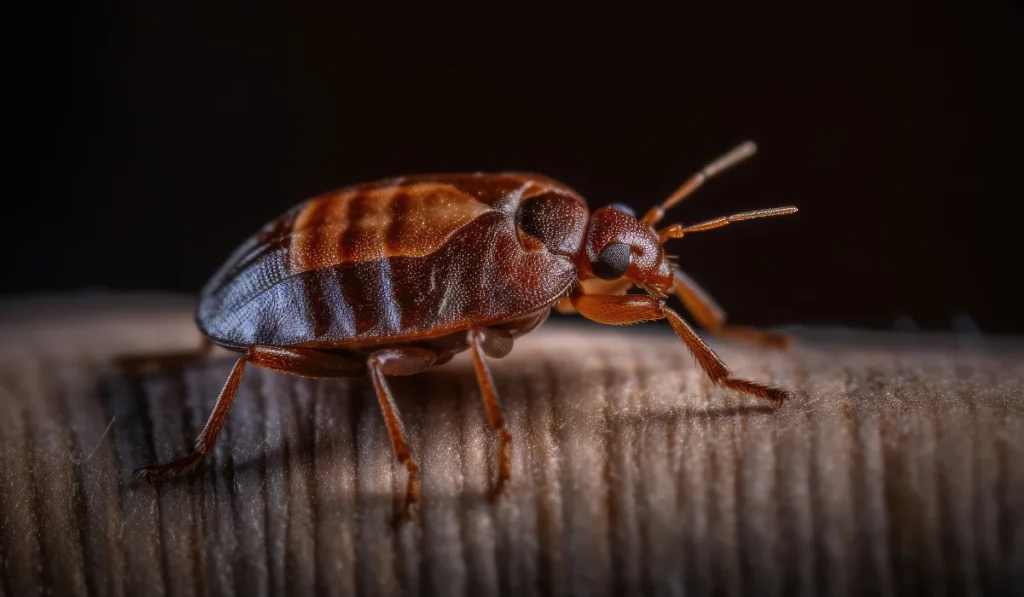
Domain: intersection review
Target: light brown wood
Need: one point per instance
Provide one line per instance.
(897, 469)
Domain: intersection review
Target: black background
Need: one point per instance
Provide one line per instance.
(151, 138)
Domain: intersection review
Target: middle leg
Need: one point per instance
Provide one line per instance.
(480, 346)
(399, 361)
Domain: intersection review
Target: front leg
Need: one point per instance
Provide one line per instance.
(595, 287)
(635, 308)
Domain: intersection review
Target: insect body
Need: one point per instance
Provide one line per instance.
(396, 276)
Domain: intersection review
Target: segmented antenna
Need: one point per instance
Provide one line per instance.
(678, 230)
(726, 161)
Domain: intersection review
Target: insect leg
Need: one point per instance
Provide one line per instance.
(303, 362)
(635, 308)
(716, 369)
(490, 396)
(621, 309)
(595, 286)
(712, 317)
(399, 361)
(208, 436)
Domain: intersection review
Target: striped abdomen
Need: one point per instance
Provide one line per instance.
(396, 260)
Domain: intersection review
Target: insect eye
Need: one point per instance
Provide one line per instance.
(623, 208)
(612, 262)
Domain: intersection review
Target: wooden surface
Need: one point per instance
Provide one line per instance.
(898, 470)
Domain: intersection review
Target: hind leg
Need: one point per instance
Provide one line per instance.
(303, 362)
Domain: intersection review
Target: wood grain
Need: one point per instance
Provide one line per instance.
(898, 470)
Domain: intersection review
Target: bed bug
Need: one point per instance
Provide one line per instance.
(396, 276)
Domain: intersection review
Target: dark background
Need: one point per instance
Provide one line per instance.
(151, 138)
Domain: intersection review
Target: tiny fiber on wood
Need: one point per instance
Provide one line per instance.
(897, 470)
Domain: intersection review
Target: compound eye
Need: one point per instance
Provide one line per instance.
(612, 262)
(623, 208)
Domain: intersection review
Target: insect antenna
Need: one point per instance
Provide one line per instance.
(678, 230)
(733, 157)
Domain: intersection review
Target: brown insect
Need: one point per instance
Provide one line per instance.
(396, 276)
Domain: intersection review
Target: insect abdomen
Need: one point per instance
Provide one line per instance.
(390, 263)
